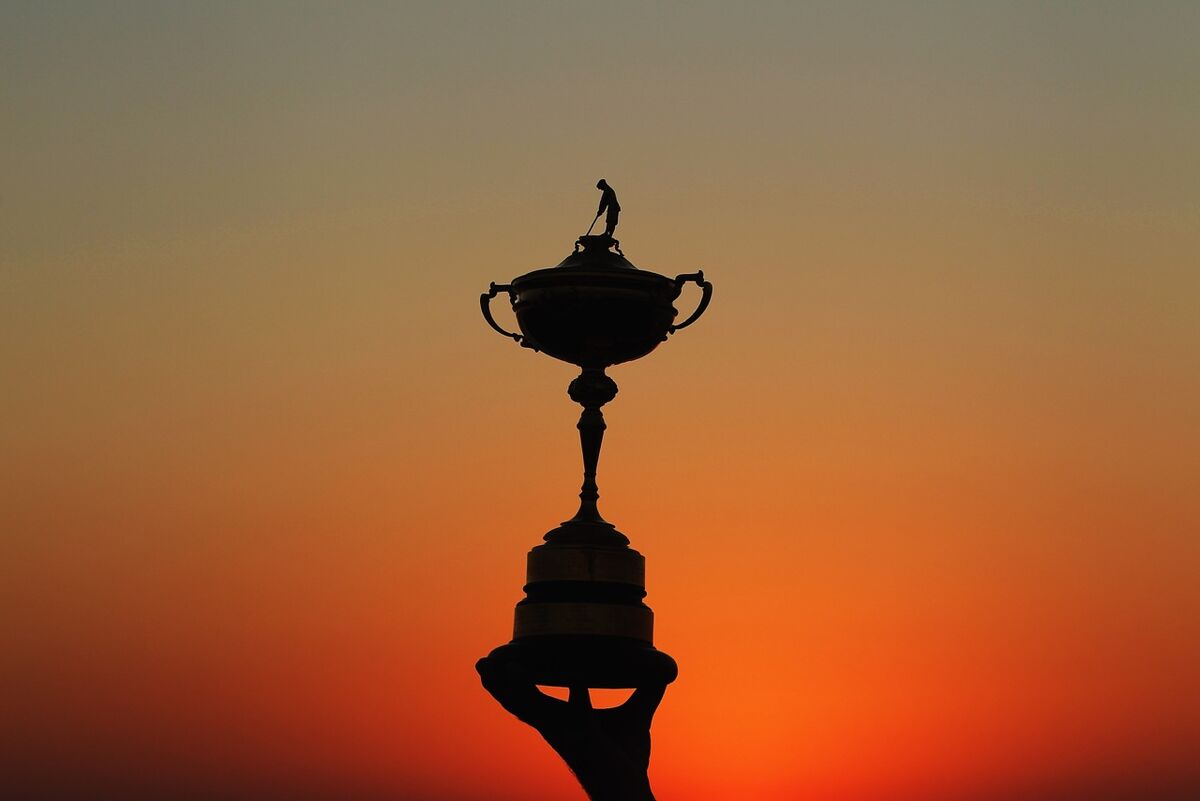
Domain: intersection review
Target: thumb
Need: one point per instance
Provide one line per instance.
(645, 700)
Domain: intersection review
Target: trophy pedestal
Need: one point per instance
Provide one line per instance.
(582, 622)
(565, 660)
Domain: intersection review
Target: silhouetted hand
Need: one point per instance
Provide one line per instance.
(607, 749)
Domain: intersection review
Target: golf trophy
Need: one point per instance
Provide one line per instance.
(582, 621)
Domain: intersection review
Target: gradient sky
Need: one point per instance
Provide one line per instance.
(920, 495)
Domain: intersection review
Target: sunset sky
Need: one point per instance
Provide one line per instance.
(919, 495)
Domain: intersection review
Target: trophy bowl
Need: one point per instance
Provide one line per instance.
(595, 309)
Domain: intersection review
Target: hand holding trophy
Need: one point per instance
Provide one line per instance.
(583, 622)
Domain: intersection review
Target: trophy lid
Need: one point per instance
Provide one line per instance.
(596, 253)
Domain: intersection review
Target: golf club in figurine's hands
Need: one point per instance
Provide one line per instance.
(583, 623)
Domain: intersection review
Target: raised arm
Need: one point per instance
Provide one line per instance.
(608, 750)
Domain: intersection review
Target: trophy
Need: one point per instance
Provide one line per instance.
(582, 621)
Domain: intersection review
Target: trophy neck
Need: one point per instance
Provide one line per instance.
(591, 390)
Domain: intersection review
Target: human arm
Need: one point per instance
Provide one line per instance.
(608, 750)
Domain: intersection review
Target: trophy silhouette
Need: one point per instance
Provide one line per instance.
(583, 622)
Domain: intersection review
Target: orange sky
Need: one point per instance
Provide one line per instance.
(917, 495)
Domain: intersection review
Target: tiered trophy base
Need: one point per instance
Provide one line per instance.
(565, 660)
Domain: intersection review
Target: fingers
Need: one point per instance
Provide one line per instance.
(504, 679)
(511, 686)
(645, 700)
(579, 698)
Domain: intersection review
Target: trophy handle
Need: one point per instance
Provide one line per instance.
(485, 305)
(698, 277)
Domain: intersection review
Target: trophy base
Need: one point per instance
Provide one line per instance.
(564, 660)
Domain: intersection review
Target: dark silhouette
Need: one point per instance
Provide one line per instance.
(608, 750)
(583, 623)
(608, 202)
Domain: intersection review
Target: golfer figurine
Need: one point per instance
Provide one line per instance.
(608, 202)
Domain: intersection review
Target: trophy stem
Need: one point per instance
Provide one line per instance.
(591, 390)
(591, 436)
